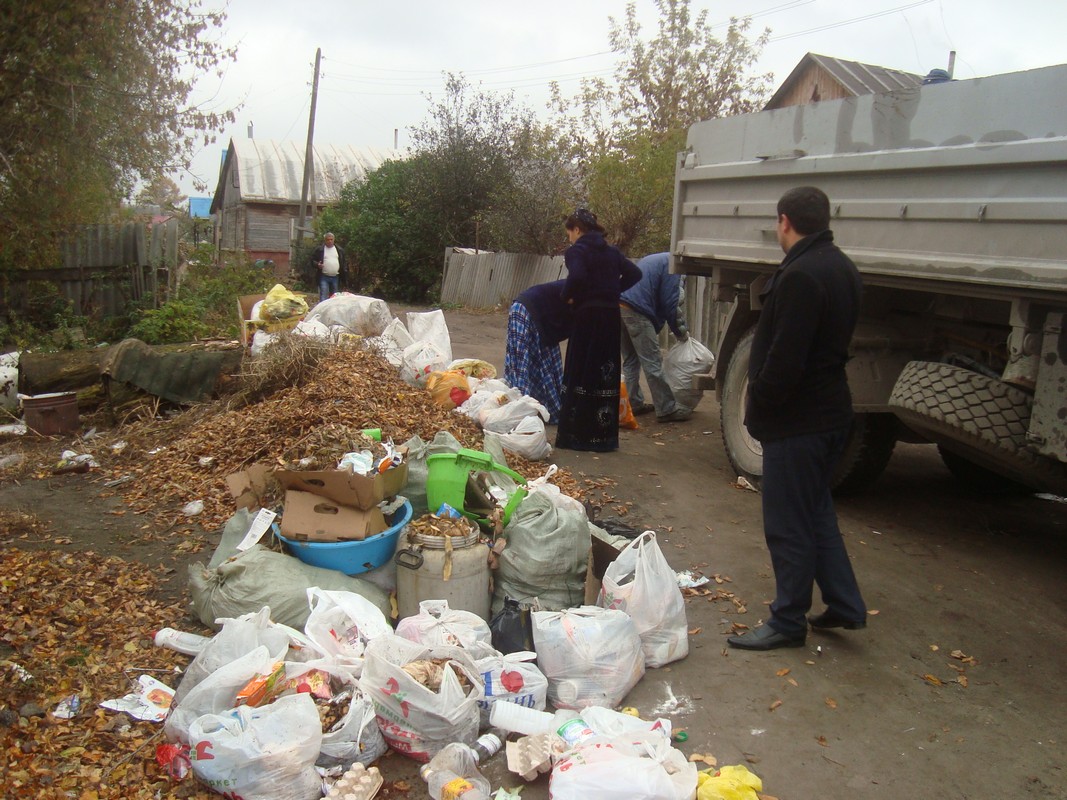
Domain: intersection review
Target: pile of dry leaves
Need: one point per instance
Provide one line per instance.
(168, 463)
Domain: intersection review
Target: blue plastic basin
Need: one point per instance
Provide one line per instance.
(353, 558)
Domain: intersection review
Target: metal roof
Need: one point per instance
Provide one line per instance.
(272, 171)
(856, 78)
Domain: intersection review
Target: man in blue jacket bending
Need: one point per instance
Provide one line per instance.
(646, 307)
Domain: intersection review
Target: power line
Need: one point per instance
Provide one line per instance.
(849, 21)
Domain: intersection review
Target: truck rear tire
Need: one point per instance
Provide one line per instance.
(978, 479)
(744, 452)
(980, 419)
(867, 451)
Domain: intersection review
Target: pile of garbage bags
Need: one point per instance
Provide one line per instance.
(266, 710)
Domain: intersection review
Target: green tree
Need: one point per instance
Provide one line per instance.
(625, 134)
(95, 96)
(467, 147)
(390, 234)
(163, 192)
(685, 73)
(526, 212)
(631, 188)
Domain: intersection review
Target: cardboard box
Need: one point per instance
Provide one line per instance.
(346, 488)
(249, 486)
(601, 554)
(308, 517)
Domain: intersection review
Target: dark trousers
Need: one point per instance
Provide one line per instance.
(800, 526)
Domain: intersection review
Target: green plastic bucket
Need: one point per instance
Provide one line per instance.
(446, 481)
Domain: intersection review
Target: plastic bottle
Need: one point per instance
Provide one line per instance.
(189, 643)
(513, 718)
(575, 731)
(453, 774)
(487, 746)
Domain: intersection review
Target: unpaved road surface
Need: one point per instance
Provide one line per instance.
(954, 690)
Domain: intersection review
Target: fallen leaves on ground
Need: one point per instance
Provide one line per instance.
(80, 625)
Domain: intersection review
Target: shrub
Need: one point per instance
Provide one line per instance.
(173, 322)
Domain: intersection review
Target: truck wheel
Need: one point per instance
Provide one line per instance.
(980, 419)
(979, 479)
(744, 452)
(867, 452)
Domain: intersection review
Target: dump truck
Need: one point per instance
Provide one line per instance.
(951, 199)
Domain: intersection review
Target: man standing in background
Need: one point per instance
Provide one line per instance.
(329, 261)
(646, 306)
(800, 409)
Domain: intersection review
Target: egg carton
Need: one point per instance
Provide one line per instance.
(531, 756)
(358, 783)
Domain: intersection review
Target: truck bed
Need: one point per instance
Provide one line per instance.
(971, 188)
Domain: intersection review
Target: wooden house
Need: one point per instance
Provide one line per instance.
(817, 78)
(257, 201)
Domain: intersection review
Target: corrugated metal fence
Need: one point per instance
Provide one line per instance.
(103, 268)
(488, 280)
(491, 280)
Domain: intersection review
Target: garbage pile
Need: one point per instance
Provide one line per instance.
(385, 586)
(353, 385)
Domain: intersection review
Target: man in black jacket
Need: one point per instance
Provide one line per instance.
(800, 409)
(330, 269)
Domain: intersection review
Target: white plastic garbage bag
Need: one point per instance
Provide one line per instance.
(265, 753)
(590, 655)
(355, 736)
(641, 583)
(217, 693)
(392, 342)
(637, 766)
(341, 623)
(682, 363)
(505, 417)
(239, 637)
(430, 326)
(419, 360)
(437, 624)
(527, 439)
(364, 316)
(512, 678)
(415, 718)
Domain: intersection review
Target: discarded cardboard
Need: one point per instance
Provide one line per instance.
(308, 517)
(347, 488)
(249, 486)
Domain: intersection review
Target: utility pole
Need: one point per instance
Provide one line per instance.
(309, 153)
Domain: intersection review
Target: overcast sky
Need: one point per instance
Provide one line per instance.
(380, 59)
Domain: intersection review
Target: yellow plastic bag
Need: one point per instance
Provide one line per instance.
(449, 388)
(280, 303)
(626, 413)
(728, 783)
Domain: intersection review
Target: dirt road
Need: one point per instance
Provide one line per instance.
(954, 690)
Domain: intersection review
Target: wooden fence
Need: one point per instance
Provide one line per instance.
(103, 268)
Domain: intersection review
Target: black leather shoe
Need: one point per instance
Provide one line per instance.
(642, 408)
(829, 619)
(764, 638)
